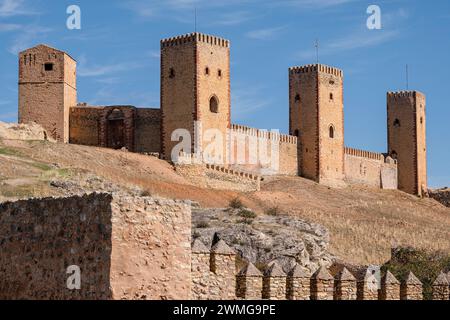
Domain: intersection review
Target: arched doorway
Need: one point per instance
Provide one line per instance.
(115, 130)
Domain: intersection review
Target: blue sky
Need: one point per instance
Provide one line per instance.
(117, 50)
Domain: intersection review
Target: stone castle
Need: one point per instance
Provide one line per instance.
(195, 96)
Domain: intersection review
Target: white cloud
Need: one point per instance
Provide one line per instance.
(313, 4)
(264, 34)
(248, 100)
(9, 8)
(6, 27)
(28, 38)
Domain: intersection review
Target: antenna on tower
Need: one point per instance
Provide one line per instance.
(195, 19)
(317, 50)
(407, 77)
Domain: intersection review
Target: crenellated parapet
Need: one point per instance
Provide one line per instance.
(195, 37)
(411, 288)
(274, 282)
(215, 277)
(263, 134)
(390, 287)
(345, 287)
(364, 154)
(441, 287)
(316, 68)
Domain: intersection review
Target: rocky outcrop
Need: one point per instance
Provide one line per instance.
(441, 195)
(261, 239)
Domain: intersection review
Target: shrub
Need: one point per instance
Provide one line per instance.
(246, 221)
(425, 265)
(245, 213)
(236, 203)
(202, 225)
(274, 211)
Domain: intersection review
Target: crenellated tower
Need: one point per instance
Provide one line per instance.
(316, 116)
(47, 89)
(406, 112)
(195, 88)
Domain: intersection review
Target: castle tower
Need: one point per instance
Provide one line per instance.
(195, 87)
(407, 139)
(47, 89)
(316, 116)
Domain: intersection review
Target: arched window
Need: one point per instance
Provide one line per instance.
(296, 133)
(331, 132)
(172, 73)
(331, 96)
(394, 155)
(396, 123)
(214, 104)
(297, 98)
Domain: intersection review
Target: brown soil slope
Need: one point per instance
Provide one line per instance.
(363, 223)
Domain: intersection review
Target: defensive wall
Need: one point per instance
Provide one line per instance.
(125, 248)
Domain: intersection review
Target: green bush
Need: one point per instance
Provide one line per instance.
(245, 213)
(425, 265)
(236, 203)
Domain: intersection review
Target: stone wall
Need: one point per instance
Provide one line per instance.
(126, 248)
(41, 238)
(262, 152)
(215, 277)
(85, 125)
(148, 130)
(218, 177)
(370, 169)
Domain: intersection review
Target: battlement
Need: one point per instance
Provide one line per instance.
(284, 138)
(316, 68)
(195, 37)
(214, 276)
(364, 154)
(403, 94)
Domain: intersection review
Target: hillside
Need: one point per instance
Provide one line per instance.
(363, 223)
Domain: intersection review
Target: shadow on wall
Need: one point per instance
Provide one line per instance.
(41, 238)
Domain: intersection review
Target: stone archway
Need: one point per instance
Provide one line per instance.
(115, 130)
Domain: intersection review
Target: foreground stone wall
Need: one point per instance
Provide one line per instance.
(151, 249)
(125, 247)
(41, 238)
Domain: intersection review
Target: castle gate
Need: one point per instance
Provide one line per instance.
(115, 131)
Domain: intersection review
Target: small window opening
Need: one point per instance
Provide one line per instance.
(331, 96)
(296, 133)
(214, 104)
(297, 98)
(48, 67)
(171, 73)
(397, 123)
(207, 71)
(421, 120)
(331, 132)
(394, 155)
(219, 73)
